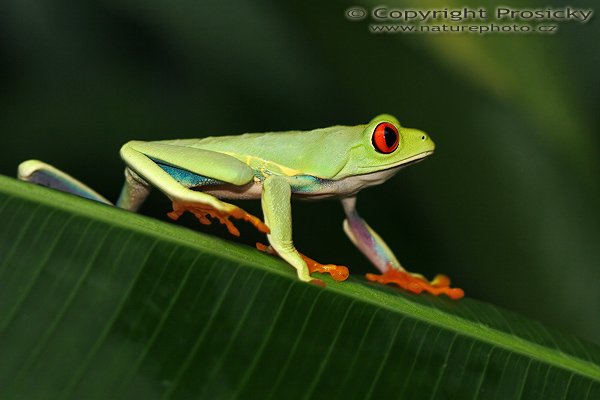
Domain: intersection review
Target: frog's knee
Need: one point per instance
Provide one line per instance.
(27, 168)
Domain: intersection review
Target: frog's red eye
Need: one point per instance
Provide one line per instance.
(385, 138)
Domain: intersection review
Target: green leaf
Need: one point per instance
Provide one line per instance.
(97, 302)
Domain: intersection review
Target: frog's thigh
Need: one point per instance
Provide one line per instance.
(207, 163)
(277, 210)
(141, 157)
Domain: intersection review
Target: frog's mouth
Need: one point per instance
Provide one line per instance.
(406, 162)
(414, 159)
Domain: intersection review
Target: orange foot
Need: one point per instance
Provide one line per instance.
(202, 211)
(337, 272)
(415, 284)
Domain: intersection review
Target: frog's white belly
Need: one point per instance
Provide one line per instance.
(320, 189)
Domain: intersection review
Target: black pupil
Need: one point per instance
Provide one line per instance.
(390, 136)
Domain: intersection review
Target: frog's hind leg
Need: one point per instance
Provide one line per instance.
(135, 191)
(43, 174)
(154, 164)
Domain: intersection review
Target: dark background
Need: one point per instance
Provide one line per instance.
(508, 206)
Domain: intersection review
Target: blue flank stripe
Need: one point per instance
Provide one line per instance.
(187, 178)
(307, 183)
(300, 183)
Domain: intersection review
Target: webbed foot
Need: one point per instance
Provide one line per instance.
(203, 211)
(337, 272)
(416, 283)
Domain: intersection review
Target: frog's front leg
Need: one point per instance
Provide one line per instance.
(143, 158)
(277, 210)
(373, 246)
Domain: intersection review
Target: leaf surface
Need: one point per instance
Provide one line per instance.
(97, 302)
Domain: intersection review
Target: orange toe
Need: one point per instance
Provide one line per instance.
(337, 272)
(202, 212)
(440, 284)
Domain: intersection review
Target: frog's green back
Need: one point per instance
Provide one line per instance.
(320, 152)
(329, 153)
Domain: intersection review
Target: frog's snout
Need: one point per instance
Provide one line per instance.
(427, 142)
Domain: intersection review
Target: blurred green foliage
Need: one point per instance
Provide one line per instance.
(508, 205)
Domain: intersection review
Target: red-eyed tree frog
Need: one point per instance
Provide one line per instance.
(335, 162)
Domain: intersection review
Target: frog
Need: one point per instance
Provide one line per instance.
(201, 175)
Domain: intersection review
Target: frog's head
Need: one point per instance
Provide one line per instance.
(384, 144)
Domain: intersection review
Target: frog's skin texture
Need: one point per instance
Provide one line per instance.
(339, 161)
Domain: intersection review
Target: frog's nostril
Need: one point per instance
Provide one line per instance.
(423, 137)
